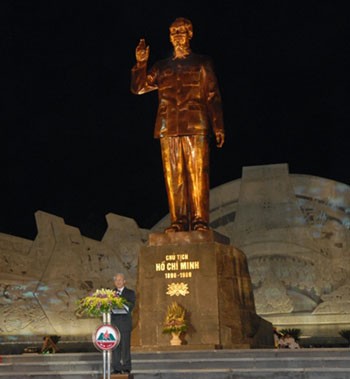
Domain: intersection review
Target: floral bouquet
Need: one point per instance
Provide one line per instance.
(175, 319)
(101, 301)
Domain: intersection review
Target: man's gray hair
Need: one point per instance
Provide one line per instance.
(118, 274)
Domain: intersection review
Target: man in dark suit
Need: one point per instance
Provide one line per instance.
(189, 109)
(121, 355)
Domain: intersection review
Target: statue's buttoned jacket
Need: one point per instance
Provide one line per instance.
(189, 98)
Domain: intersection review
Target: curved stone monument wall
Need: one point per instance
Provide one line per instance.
(41, 280)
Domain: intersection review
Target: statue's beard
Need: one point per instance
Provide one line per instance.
(181, 51)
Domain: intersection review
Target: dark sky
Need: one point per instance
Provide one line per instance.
(79, 145)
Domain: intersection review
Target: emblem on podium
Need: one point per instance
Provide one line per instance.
(106, 337)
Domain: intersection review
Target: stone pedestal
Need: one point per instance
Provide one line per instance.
(210, 279)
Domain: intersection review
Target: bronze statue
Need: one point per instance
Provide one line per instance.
(189, 108)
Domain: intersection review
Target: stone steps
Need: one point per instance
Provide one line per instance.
(218, 364)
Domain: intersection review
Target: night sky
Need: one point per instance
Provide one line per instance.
(79, 145)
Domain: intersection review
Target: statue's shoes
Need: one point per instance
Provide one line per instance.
(175, 227)
(200, 226)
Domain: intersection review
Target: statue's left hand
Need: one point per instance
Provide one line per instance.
(220, 139)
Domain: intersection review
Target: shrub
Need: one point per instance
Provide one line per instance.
(294, 332)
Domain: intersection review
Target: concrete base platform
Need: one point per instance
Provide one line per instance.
(218, 364)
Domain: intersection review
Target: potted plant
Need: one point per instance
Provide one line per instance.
(175, 322)
(99, 302)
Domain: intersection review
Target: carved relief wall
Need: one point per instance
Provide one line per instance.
(41, 280)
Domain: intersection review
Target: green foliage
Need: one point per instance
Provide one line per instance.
(345, 333)
(294, 332)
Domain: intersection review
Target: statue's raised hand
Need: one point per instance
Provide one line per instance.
(142, 51)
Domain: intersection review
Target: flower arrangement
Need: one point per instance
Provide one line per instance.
(175, 319)
(101, 301)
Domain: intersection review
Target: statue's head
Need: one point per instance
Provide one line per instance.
(181, 32)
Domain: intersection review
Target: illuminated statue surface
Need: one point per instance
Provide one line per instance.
(189, 110)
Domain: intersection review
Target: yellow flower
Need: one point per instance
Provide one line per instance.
(101, 301)
(175, 319)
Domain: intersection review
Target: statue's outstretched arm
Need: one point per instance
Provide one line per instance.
(141, 80)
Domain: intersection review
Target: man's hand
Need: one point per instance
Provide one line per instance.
(220, 138)
(142, 51)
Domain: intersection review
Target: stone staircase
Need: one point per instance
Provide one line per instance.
(213, 364)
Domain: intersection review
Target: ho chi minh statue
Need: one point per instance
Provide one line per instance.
(189, 108)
